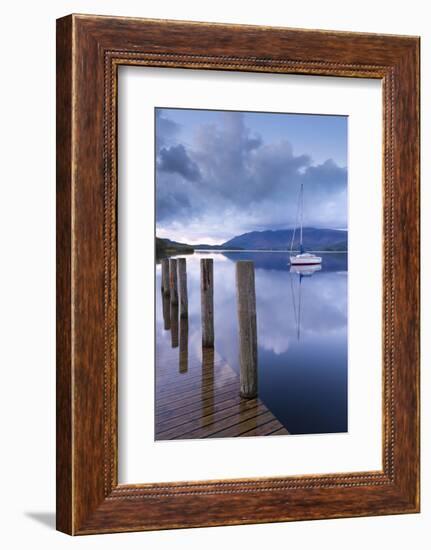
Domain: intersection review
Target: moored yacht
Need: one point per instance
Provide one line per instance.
(303, 258)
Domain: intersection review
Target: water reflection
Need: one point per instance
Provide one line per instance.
(207, 386)
(184, 345)
(174, 324)
(302, 335)
(301, 271)
(166, 311)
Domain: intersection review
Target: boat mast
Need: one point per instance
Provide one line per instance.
(301, 248)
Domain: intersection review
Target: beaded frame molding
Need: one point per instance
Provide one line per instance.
(89, 51)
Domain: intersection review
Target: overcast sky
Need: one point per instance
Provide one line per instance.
(221, 173)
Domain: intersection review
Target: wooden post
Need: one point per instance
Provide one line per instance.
(173, 282)
(165, 276)
(182, 283)
(207, 303)
(246, 307)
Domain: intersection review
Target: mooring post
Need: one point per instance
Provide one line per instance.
(182, 283)
(246, 307)
(207, 302)
(173, 281)
(165, 276)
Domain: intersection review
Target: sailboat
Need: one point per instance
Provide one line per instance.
(303, 258)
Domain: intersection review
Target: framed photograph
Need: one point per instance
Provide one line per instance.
(237, 274)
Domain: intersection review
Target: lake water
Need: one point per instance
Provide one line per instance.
(302, 334)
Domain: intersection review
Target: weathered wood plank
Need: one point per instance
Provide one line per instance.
(207, 302)
(196, 385)
(229, 404)
(185, 423)
(182, 283)
(199, 393)
(201, 401)
(246, 306)
(165, 276)
(242, 427)
(173, 281)
(231, 420)
(267, 429)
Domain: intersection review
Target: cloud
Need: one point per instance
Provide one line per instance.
(166, 129)
(326, 178)
(176, 160)
(323, 302)
(227, 180)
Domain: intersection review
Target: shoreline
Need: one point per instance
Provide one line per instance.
(206, 250)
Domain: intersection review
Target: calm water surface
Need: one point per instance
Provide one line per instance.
(302, 334)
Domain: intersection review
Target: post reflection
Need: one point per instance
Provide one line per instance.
(184, 345)
(166, 306)
(207, 387)
(302, 350)
(174, 324)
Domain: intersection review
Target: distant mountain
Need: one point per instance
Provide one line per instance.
(331, 240)
(213, 247)
(313, 239)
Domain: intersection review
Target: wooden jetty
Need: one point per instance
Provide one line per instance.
(204, 401)
(203, 397)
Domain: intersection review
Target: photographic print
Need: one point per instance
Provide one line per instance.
(251, 274)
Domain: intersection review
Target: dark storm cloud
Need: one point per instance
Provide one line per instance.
(175, 159)
(328, 177)
(227, 179)
(166, 129)
(177, 198)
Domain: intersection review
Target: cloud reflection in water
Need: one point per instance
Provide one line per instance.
(302, 381)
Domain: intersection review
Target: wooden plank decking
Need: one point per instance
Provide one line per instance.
(200, 398)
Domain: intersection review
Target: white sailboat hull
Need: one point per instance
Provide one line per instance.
(305, 259)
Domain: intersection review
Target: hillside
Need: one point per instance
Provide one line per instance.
(331, 240)
(313, 239)
(166, 247)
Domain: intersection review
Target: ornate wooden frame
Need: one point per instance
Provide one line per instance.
(89, 51)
